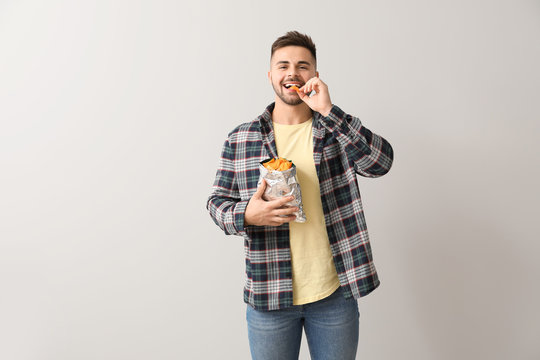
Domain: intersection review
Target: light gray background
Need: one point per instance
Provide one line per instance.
(113, 114)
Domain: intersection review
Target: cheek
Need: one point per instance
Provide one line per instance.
(274, 80)
(310, 75)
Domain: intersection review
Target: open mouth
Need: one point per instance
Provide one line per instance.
(289, 85)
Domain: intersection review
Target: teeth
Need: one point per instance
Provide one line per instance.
(289, 85)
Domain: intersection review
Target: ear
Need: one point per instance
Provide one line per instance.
(316, 73)
(269, 77)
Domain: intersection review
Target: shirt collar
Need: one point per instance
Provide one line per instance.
(265, 119)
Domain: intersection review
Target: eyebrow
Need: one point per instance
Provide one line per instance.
(287, 62)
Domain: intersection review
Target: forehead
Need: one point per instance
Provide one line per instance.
(293, 54)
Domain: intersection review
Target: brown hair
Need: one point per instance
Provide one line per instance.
(294, 38)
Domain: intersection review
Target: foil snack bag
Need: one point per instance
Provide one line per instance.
(281, 180)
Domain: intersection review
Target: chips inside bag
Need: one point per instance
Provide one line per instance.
(281, 180)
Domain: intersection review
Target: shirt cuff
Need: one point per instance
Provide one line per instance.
(239, 212)
(336, 120)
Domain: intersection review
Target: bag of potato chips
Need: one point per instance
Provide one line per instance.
(280, 176)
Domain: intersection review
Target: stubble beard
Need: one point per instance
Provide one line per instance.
(289, 100)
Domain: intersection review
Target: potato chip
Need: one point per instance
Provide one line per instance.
(278, 163)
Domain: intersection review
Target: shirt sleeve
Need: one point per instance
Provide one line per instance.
(371, 154)
(224, 204)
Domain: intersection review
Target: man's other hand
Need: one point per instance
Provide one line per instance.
(261, 212)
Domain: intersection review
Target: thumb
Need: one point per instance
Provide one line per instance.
(260, 189)
(302, 94)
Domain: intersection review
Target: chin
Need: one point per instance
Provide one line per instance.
(287, 100)
(292, 102)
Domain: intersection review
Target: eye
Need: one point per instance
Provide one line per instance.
(303, 67)
(282, 67)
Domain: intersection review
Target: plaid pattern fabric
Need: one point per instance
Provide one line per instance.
(342, 149)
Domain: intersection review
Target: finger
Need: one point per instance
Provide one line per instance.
(281, 220)
(287, 211)
(301, 94)
(303, 89)
(306, 85)
(309, 84)
(260, 189)
(277, 203)
(314, 86)
(318, 84)
(288, 219)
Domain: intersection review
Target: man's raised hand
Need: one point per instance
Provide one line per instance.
(319, 102)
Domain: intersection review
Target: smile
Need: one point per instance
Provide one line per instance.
(287, 86)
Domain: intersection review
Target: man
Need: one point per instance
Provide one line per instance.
(301, 275)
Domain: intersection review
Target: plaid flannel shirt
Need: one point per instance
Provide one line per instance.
(342, 148)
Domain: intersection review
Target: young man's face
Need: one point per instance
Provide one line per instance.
(291, 65)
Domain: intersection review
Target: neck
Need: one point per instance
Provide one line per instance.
(291, 114)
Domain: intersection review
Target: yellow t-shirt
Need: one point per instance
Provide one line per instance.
(313, 269)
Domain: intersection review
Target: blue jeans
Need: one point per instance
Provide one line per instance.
(331, 326)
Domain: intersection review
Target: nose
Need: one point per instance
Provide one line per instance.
(292, 72)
